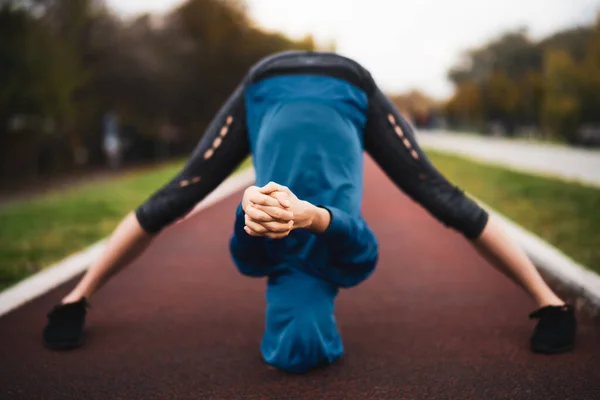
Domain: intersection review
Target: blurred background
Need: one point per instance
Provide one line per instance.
(88, 85)
(101, 102)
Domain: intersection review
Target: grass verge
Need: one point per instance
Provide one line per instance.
(38, 232)
(565, 214)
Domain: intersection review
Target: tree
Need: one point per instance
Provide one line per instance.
(589, 79)
(465, 107)
(38, 81)
(512, 53)
(561, 106)
(67, 63)
(530, 87)
(500, 98)
(554, 82)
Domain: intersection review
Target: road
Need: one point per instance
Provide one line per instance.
(548, 159)
(434, 322)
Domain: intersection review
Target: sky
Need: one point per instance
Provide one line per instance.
(405, 44)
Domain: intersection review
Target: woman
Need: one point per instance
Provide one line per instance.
(306, 118)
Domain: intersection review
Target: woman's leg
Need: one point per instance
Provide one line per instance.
(222, 148)
(390, 140)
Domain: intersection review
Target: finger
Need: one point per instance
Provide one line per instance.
(251, 232)
(278, 227)
(273, 213)
(278, 235)
(282, 198)
(255, 226)
(265, 227)
(263, 199)
(275, 226)
(273, 187)
(256, 214)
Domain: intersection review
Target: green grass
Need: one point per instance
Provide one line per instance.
(38, 232)
(565, 214)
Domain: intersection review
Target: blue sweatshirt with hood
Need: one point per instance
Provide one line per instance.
(306, 132)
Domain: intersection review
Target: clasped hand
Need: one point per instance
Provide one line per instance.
(273, 211)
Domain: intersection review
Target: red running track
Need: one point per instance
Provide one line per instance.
(434, 322)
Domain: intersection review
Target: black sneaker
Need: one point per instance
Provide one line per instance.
(65, 325)
(555, 330)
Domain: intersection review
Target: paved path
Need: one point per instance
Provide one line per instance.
(548, 159)
(434, 322)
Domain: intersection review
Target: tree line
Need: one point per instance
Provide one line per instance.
(67, 64)
(514, 83)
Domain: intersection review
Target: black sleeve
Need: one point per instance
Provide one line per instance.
(223, 147)
(390, 141)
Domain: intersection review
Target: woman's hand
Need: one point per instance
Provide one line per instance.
(266, 215)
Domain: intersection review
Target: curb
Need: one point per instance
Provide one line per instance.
(57, 274)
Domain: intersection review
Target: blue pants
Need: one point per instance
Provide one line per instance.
(300, 330)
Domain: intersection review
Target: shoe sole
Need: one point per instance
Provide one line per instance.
(553, 351)
(64, 345)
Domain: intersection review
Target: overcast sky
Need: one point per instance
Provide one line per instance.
(405, 44)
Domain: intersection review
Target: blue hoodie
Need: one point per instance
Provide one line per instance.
(306, 133)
